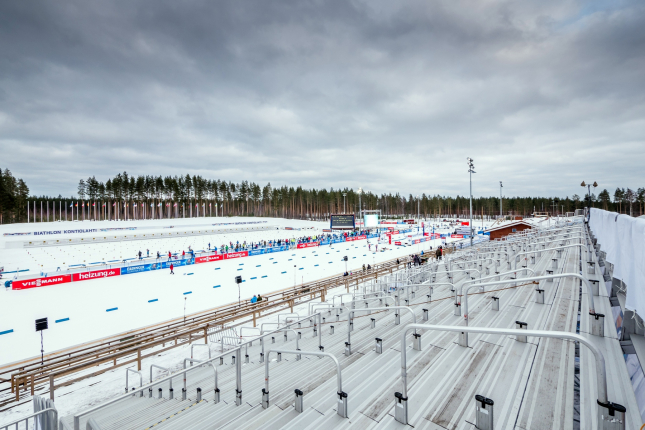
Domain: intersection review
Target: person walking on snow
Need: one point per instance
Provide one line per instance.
(171, 271)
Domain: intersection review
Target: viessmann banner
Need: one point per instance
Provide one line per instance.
(40, 282)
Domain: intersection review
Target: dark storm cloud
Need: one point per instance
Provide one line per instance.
(391, 96)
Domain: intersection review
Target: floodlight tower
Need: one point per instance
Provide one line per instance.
(344, 195)
(500, 199)
(471, 170)
(360, 208)
(595, 184)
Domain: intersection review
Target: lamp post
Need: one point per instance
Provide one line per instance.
(360, 207)
(471, 170)
(344, 195)
(500, 198)
(595, 184)
(418, 212)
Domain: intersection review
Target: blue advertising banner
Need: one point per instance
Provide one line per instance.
(140, 268)
(177, 263)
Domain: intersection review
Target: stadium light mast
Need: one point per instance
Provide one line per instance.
(500, 198)
(344, 195)
(595, 184)
(471, 170)
(360, 207)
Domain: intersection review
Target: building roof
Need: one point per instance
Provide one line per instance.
(510, 224)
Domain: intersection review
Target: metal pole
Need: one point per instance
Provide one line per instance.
(500, 198)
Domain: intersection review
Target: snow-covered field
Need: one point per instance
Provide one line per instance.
(146, 298)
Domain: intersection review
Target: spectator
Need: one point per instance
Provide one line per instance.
(171, 271)
(254, 299)
(259, 298)
(169, 256)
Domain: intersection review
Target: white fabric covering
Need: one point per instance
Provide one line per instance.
(623, 239)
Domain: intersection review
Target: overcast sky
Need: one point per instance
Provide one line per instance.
(387, 95)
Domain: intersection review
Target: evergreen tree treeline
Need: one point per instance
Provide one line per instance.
(127, 196)
(13, 198)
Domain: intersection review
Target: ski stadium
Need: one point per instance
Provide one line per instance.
(537, 329)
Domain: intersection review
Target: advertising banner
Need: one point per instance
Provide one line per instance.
(94, 274)
(236, 255)
(465, 223)
(307, 245)
(350, 239)
(40, 282)
(457, 236)
(140, 268)
(208, 258)
(177, 263)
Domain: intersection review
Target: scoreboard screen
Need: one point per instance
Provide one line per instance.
(345, 221)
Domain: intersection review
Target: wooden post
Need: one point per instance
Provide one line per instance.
(32, 384)
(139, 359)
(253, 319)
(12, 383)
(206, 335)
(291, 304)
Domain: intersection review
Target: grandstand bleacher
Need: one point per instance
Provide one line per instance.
(533, 346)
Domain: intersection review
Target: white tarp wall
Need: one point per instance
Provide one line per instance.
(623, 239)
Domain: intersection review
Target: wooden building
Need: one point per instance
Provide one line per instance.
(506, 229)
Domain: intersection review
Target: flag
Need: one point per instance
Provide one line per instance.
(175, 204)
(114, 204)
(93, 204)
(76, 205)
(71, 205)
(159, 205)
(103, 204)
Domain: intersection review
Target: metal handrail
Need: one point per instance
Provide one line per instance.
(575, 245)
(27, 418)
(290, 313)
(265, 391)
(77, 417)
(488, 277)
(600, 360)
(350, 317)
(127, 373)
(204, 363)
(161, 368)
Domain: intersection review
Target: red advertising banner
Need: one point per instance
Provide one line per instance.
(307, 245)
(40, 282)
(465, 223)
(408, 221)
(426, 234)
(457, 236)
(107, 273)
(208, 258)
(236, 254)
(397, 242)
(349, 239)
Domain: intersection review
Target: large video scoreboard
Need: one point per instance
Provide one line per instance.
(345, 221)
